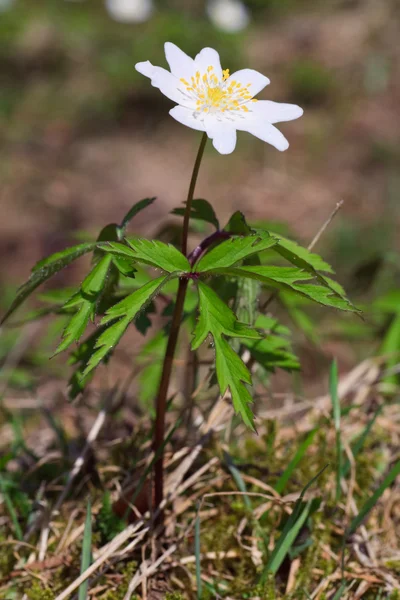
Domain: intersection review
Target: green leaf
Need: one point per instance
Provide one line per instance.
(151, 252)
(238, 225)
(80, 357)
(234, 250)
(86, 299)
(300, 452)
(232, 373)
(336, 409)
(294, 523)
(218, 320)
(301, 257)
(45, 269)
(125, 311)
(136, 208)
(390, 346)
(291, 278)
(373, 499)
(273, 352)
(201, 210)
(86, 556)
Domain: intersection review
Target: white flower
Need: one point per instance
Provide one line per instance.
(5, 5)
(211, 100)
(130, 11)
(228, 15)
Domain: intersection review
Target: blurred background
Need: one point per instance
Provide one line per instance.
(84, 136)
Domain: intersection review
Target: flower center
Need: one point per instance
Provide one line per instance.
(212, 95)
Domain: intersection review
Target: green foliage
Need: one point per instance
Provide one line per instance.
(218, 320)
(37, 591)
(122, 313)
(201, 210)
(301, 510)
(120, 290)
(136, 208)
(107, 523)
(85, 301)
(293, 279)
(233, 251)
(274, 349)
(151, 252)
(45, 269)
(86, 557)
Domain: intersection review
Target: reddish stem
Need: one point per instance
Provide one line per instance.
(161, 402)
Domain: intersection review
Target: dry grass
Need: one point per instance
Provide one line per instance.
(221, 475)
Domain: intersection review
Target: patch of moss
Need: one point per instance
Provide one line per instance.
(37, 591)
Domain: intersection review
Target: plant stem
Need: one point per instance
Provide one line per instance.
(161, 402)
(186, 218)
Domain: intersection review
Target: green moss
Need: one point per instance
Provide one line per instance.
(7, 559)
(37, 591)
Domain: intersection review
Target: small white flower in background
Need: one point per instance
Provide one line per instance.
(130, 11)
(6, 4)
(211, 100)
(228, 15)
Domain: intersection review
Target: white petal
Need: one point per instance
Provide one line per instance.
(145, 68)
(167, 83)
(186, 117)
(228, 15)
(209, 58)
(222, 133)
(250, 78)
(264, 131)
(276, 112)
(130, 11)
(181, 64)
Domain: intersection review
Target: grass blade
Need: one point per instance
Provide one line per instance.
(197, 555)
(340, 591)
(239, 482)
(287, 539)
(372, 500)
(290, 531)
(12, 512)
(360, 441)
(286, 475)
(86, 557)
(333, 389)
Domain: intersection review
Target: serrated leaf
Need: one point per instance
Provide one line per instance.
(232, 373)
(238, 225)
(45, 269)
(301, 257)
(136, 208)
(151, 252)
(80, 357)
(290, 278)
(125, 311)
(76, 327)
(273, 352)
(86, 299)
(234, 250)
(218, 320)
(94, 282)
(202, 210)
